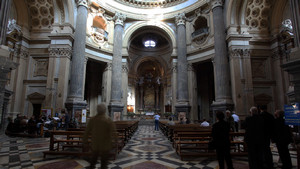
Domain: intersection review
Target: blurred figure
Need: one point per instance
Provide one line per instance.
(254, 138)
(236, 121)
(32, 125)
(171, 122)
(102, 131)
(67, 118)
(156, 117)
(230, 120)
(187, 121)
(283, 137)
(268, 135)
(204, 123)
(220, 134)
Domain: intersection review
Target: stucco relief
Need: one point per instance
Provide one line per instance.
(259, 68)
(41, 67)
(97, 26)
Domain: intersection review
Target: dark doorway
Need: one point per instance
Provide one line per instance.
(206, 91)
(37, 110)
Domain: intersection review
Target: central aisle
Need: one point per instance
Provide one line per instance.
(150, 149)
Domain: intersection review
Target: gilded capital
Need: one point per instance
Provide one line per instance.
(82, 3)
(180, 19)
(216, 3)
(119, 18)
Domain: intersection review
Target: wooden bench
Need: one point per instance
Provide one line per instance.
(62, 140)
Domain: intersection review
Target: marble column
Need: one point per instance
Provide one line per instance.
(75, 100)
(115, 104)
(223, 99)
(182, 104)
(192, 81)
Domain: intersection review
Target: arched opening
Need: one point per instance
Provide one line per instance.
(149, 71)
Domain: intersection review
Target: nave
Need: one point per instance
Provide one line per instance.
(147, 149)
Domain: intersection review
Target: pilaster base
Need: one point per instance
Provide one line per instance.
(74, 106)
(115, 111)
(182, 110)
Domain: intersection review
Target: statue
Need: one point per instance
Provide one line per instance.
(12, 25)
(287, 26)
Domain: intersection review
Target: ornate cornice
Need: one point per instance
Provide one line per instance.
(82, 3)
(216, 3)
(180, 19)
(119, 18)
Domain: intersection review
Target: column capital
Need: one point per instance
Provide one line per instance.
(216, 3)
(180, 19)
(82, 3)
(60, 52)
(125, 68)
(239, 53)
(119, 18)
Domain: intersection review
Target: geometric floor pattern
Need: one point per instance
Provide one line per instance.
(147, 149)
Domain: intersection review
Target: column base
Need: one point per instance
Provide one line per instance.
(182, 110)
(115, 111)
(221, 106)
(74, 106)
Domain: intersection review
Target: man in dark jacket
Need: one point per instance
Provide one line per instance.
(254, 138)
(283, 137)
(268, 135)
(220, 134)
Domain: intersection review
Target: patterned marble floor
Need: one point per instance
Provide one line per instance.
(147, 149)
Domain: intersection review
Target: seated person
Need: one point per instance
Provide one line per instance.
(204, 123)
(171, 122)
(32, 125)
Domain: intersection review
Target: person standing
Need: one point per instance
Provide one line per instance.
(102, 131)
(220, 135)
(230, 120)
(253, 138)
(268, 135)
(156, 117)
(283, 137)
(236, 121)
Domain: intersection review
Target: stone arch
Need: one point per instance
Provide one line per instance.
(163, 26)
(64, 11)
(236, 11)
(22, 13)
(277, 15)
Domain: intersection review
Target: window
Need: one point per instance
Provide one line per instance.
(149, 44)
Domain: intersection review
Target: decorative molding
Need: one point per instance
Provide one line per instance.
(119, 18)
(24, 53)
(62, 10)
(239, 53)
(180, 19)
(174, 68)
(257, 14)
(41, 67)
(60, 52)
(146, 4)
(216, 3)
(82, 3)
(125, 68)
